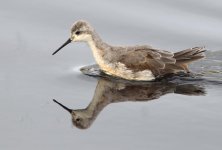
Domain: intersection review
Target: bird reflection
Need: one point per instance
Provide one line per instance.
(112, 91)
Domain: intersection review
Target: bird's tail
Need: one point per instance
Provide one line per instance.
(184, 57)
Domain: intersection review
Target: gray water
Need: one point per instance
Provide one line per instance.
(30, 77)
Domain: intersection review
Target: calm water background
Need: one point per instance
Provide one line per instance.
(30, 76)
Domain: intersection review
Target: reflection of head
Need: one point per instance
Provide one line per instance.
(80, 119)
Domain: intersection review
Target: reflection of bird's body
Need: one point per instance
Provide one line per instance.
(136, 62)
(108, 91)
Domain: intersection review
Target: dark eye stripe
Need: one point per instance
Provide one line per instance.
(78, 32)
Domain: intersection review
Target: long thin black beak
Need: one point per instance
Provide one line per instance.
(63, 45)
(66, 108)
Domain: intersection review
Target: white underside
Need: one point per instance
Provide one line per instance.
(119, 69)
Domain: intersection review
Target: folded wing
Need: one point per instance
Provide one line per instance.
(147, 59)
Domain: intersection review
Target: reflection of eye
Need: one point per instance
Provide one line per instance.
(78, 32)
(77, 119)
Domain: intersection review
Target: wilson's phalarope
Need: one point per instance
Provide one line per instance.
(141, 63)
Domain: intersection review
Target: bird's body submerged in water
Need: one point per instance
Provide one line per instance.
(140, 63)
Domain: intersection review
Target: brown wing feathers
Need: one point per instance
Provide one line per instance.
(189, 55)
(161, 62)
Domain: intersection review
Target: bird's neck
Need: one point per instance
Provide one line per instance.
(96, 43)
(99, 48)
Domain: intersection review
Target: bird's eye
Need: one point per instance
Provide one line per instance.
(78, 32)
(77, 119)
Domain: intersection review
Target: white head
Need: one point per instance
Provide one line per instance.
(81, 31)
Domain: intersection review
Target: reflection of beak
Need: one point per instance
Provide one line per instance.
(66, 108)
(67, 42)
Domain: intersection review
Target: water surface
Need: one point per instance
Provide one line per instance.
(31, 77)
